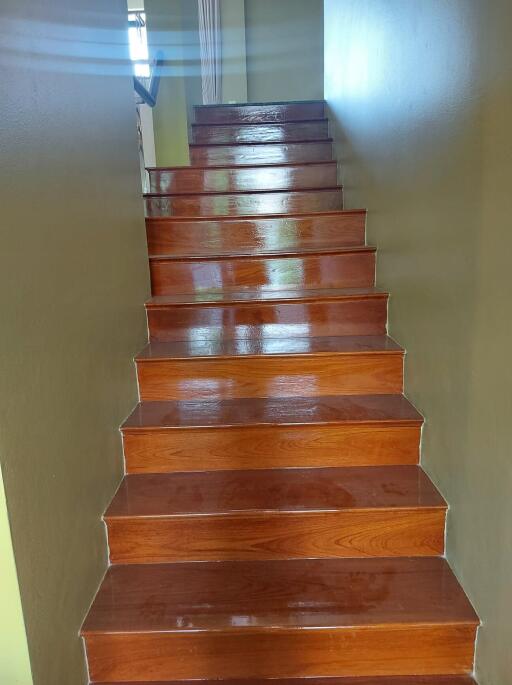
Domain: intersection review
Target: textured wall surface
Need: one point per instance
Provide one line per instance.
(73, 272)
(284, 49)
(420, 93)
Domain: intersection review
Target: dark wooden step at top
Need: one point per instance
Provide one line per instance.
(280, 619)
(263, 367)
(372, 680)
(257, 113)
(207, 236)
(261, 153)
(195, 180)
(276, 514)
(246, 314)
(344, 267)
(243, 204)
(297, 131)
(256, 433)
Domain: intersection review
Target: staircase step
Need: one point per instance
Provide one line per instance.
(351, 430)
(268, 367)
(277, 514)
(209, 236)
(373, 680)
(224, 179)
(260, 202)
(279, 619)
(259, 113)
(296, 131)
(261, 153)
(343, 267)
(245, 314)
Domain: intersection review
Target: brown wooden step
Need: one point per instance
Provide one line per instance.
(372, 680)
(350, 430)
(259, 113)
(208, 236)
(261, 153)
(247, 314)
(344, 267)
(295, 131)
(195, 180)
(268, 367)
(261, 202)
(279, 619)
(277, 514)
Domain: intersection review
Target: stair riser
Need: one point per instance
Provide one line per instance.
(370, 533)
(260, 447)
(185, 237)
(273, 153)
(285, 202)
(271, 376)
(264, 133)
(343, 270)
(240, 322)
(375, 650)
(257, 114)
(190, 180)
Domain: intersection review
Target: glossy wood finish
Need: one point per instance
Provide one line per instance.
(195, 180)
(270, 368)
(259, 113)
(276, 314)
(280, 619)
(208, 236)
(264, 133)
(373, 680)
(293, 513)
(350, 267)
(268, 433)
(261, 153)
(228, 204)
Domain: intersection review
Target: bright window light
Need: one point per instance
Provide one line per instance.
(138, 39)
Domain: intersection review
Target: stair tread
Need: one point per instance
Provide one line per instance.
(292, 594)
(237, 124)
(256, 217)
(260, 296)
(288, 191)
(245, 167)
(370, 680)
(254, 411)
(260, 347)
(263, 142)
(274, 490)
(258, 252)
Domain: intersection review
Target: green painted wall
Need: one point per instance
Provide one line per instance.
(234, 58)
(73, 279)
(14, 659)
(284, 49)
(422, 101)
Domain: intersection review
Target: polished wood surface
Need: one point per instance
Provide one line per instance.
(269, 367)
(227, 204)
(265, 133)
(269, 433)
(259, 113)
(292, 513)
(279, 314)
(208, 236)
(261, 153)
(349, 267)
(229, 609)
(274, 523)
(246, 178)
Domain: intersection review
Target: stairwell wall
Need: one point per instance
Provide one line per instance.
(73, 274)
(421, 101)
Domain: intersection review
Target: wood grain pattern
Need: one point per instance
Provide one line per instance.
(208, 236)
(372, 680)
(268, 202)
(277, 314)
(262, 153)
(242, 179)
(259, 113)
(351, 267)
(266, 133)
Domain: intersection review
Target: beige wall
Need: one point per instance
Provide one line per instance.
(284, 49)
(73, 274)
(422, 98)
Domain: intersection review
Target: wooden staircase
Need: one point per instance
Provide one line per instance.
(274, 522)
